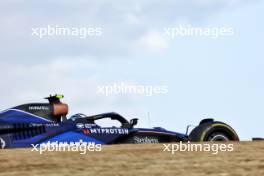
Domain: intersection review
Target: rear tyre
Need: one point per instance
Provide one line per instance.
(213, 131)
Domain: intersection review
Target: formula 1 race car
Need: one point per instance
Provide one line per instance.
(40, 123)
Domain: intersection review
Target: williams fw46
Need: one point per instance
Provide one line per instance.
(41, 123)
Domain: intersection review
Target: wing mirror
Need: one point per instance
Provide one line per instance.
(133, 122)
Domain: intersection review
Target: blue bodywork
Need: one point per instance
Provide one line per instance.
(20, 129)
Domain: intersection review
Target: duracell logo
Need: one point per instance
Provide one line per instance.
(38, 108)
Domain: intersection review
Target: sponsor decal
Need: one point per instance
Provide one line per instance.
(85, 125)
(80, 125)
(52, 125)
(38, 108)
(145, 140)
(46, 125)
(108, 131)
(2, 143)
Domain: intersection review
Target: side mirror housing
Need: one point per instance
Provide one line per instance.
(133, 122)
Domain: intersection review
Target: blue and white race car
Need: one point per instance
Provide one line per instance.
(39, 123)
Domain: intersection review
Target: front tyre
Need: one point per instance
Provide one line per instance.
(213, 131)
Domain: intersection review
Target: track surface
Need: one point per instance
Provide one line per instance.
(246, 159)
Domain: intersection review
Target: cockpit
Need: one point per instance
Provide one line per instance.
(82, 118)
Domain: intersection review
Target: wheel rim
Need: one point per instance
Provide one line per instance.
(218, 137)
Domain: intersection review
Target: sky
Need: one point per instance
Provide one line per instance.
(220, 78)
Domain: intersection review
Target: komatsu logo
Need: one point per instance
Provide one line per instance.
(2, 143)
(38, 108)
(109, 131)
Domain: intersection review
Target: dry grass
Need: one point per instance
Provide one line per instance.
(130, 160)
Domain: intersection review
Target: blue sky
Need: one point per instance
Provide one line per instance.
(217, 78)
